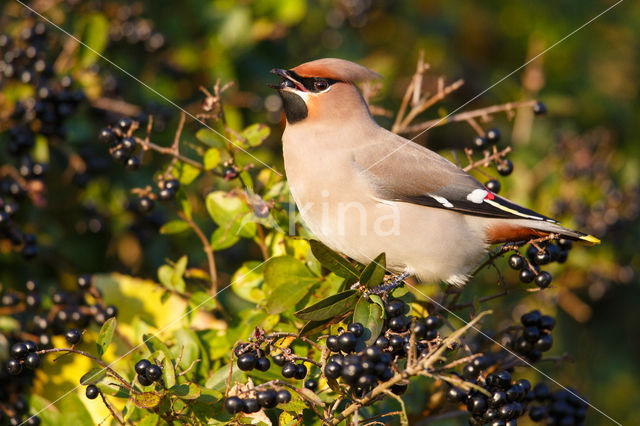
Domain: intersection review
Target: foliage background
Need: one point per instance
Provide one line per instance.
(589, 83)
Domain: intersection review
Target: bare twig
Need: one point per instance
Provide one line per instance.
(207, 249)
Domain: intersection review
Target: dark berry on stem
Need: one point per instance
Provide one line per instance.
(516, 261)
(419, 329)
(141, 366)
(476, 404)
(505, 167)
(382, 342)
(125, 124)
(73, 336)
(279, 360)
(544, 343)
(107, 136)
(172, 184)
(372, 353)
(166, 194)
(31, 345)
(301, 372)
(251, 406)
(32, 361)
(284, 396)
(356, 328)
(247, 361)
(267, 398)
(351, 373)
(493, 185)
(347, 342)
(543, 279)
(84, 282)
(493, 135)
(144, 380)
(14, 367)
(531, 319)
(263, 364)
(19, 351)
(153, 372)
(332, 370)
(311, 384)
(539, 108)
(394, 308)
(289, 370)
(398, 324)
(111, 311)
(547, 322)
(526, 275)
(497, 399)
(333, 344)
(432, 322)
(233, 405)
(456, 395)
(92, 392)
(133, 163)
(479, 142)
(145, 204)
(531, 334)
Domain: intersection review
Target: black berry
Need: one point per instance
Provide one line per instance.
(267, 398)
(356, 328)
(247, 361)
(233, 405)
(543, 279)
(505, 167)
(347, 342)
(283, 396)
(141, 366)
(493, 135)
(153, 372)
(263, 364)
(73, 336)
(289, 370)
(92, 392)
(539, 108)
(493, 185)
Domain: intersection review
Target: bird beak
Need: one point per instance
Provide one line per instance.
(286, 81)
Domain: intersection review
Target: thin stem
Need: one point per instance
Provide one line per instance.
(207, 249)
(94, 359)
(463, 116)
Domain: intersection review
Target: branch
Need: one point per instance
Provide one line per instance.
(464, 116)
(207, 249)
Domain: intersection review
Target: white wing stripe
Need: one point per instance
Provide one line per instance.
(507, 209)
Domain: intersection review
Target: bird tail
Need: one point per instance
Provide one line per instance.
(504, 231)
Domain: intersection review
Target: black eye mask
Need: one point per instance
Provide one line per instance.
(311, 84)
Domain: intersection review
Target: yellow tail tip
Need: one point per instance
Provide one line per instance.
(590, 239)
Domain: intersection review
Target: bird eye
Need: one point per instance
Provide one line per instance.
(321, 85)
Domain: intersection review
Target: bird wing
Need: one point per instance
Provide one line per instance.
(403, 171)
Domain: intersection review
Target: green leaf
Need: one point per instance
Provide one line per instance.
(185, 204)
(186, 391)
(217, 381)
(373, 274)
(93, 376)
(211, 158)
(222, 238)
(333, 261)
(370, 315)
(106, 334)
(185, 173)
(48, 413)
(146, 399)
(230, 212)
(154, 344)
(74, 412)
(150, 419)
(95, 34)
(202, 300)
(174, 227)
(210, 138)
(330, 307)
(310, 326)
(256, 134)
(247, 281)
(289, 280)
(168, 372)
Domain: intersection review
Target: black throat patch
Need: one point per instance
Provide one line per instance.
(294, 107)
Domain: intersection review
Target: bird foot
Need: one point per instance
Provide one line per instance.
(389, 286)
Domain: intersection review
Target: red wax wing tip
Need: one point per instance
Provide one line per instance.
(489, 195)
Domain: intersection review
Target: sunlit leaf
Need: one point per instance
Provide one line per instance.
(93, 376)
(373, 274)
(330, 307)
(289, 280)
(211, 158)
(106, 334)
(333, 261)
(95, 35)
(146, 399)
(370, 315)
(174, 227)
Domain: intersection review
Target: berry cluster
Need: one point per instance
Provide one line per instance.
(508, 399)
(127, 25)
(123, 147)
(267, 398)
(562, 407)
(363, 370)
(23, 61)
(538, 255)
(536, 335)
(147, 372)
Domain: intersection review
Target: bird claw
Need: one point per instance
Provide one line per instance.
(389, 286)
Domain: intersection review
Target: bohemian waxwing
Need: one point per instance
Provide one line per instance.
(363, 190)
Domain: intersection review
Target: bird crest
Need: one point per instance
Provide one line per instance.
(336, 69)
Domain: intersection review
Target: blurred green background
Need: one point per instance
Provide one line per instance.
(581, 162)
